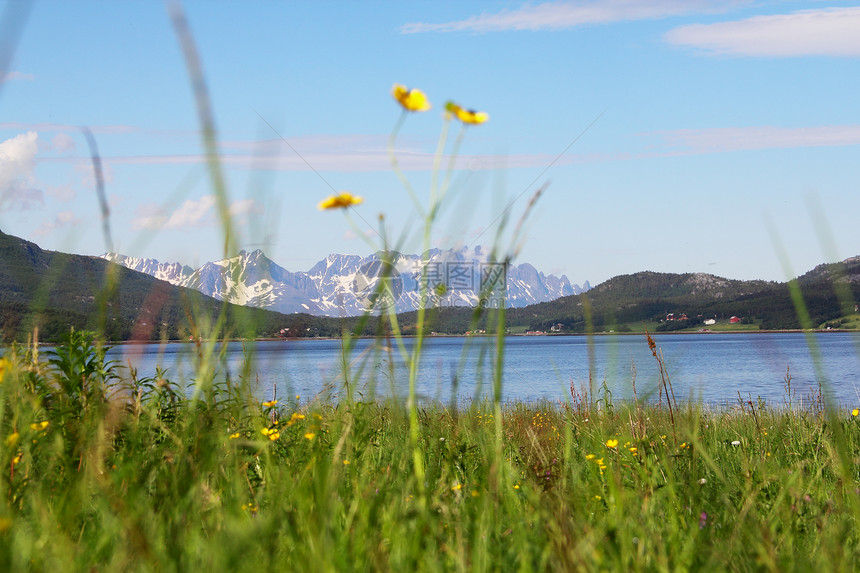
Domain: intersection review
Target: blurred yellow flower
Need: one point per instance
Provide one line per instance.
(340, 201)
(39, 425)
(234, 436)
(310, 436)
(17, 458)
(467, 115)
(273, 435)
(346, 462)
(12, 439)
(590, 456)
(855, 412)
(457, 487)
(269, 404)
(611, 443)
(411, 100)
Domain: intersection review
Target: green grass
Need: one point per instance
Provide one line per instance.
(142, 479)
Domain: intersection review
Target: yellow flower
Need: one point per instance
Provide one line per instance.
(340, 201)
(273, 435)
(266, 431)
(855, 412)
(39, 425)
(611, 443)
(590, 456)
(633, 450)
(346, 462)
(12, 439)
(310, 436)
(467, 115)
(269, 404)
(457, 487)
(234, 436)
(517, 486)
(411, 100)
(597, 497)
(17, 458)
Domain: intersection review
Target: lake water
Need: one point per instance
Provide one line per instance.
(712, 368)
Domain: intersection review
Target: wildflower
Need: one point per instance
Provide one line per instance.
(475, 494)
(411, 100)
(633, 450)
(273, 435)
(683, 445)
(703, 520)
(234, 436)
(736, 443)
(457, 487)
(597, 497)
(342, 200)
(467, 115)
(855, 412)
(703, 481)
(590, 456)
(310, 436)
(611, 443)
(12, 439)
(346, 462)
(517, 486)
(266, 431)
(36, 426)
(17, 458)
(270, 404)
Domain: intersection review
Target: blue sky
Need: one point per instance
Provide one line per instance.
(675, 135)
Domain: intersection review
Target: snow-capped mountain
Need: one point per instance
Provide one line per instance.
(349, 284)
(173, 273)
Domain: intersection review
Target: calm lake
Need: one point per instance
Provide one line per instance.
(712, 368)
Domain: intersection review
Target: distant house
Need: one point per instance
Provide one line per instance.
(734, 320)
(710, 321)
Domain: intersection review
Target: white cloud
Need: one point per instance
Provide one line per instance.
(723, 139)
(63, 143)
(245, 206)
(14, 75)
(192, 213)
(825, 32)
(63, 219)
(18, 189)
(563, 15)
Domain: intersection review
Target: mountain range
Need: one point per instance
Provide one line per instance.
(345, 285)
(54, 291)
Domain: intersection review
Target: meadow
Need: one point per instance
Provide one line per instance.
(106, 471)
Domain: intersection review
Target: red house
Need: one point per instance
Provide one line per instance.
(734, 320)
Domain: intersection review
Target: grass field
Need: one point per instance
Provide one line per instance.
(123, 474)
